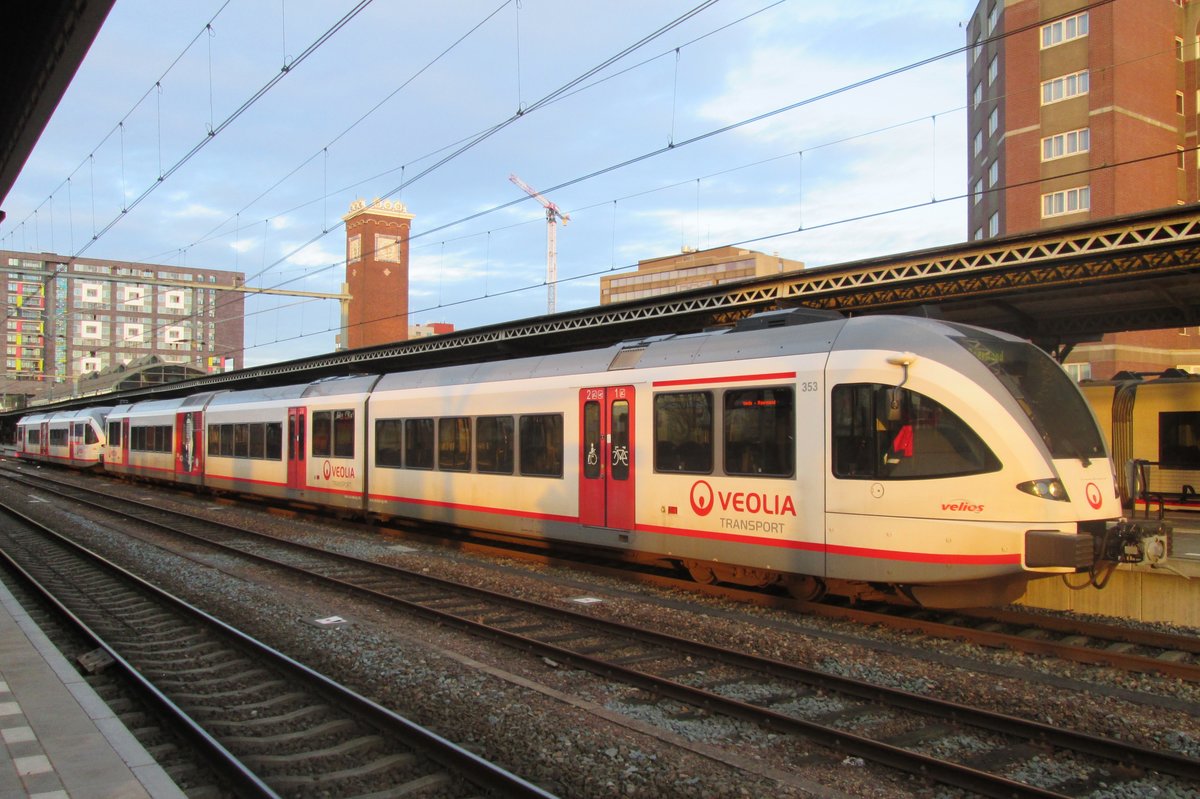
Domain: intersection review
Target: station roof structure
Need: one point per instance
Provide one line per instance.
(1056, 287)
(43, 45)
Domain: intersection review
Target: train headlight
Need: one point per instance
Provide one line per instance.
(1046, 489)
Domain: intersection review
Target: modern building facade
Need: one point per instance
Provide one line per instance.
(68, 318)
(691, 269)
(1081, 111)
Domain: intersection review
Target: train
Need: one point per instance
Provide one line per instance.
(872, 457)
(1152, 422)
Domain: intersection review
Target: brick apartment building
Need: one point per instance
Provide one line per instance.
(1078, 112)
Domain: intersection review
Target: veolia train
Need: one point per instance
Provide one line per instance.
(876, 456)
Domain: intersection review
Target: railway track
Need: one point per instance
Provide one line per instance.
(271, 726)
(977, 750)
(1076, 640)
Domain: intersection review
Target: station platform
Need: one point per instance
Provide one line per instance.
(58, 739)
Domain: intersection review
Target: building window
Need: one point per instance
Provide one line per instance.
(1070, 201)
(173, 334)
(1064, 30)
(173, 299)
(978, 142)
(977, 195)
(993, 121)
(89, 365)
(1064, 144)
(993, 174)
(90, 330)
(993, 70)
(387, 248)
(91, 292)
(132, 332)
(353, 248)
(1079, 371)
(994, 17)
(994, 224)
(977, 95)
(1178, 49)
(1181, 160)
(135, 296)
(1065, 87)
(1179, 103)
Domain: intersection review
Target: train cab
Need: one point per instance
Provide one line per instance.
(71, 438)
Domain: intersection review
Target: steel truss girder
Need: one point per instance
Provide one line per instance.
(1123, 250)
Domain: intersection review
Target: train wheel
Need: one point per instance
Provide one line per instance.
(805, 589)
(702, 572)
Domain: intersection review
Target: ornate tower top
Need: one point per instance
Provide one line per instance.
(392, 208)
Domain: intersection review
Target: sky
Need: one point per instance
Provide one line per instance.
(235, 134)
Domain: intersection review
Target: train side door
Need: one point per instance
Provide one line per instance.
(125, 441)
(44, 446)
(606, 473)
(297, 424)
(189, 443)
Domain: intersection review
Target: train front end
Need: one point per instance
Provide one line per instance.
(1082, 479)
(966, 465)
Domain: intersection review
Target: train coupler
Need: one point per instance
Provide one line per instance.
(1147, 542)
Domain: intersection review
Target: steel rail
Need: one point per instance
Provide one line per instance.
(954, 774)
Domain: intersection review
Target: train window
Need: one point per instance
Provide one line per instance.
(494, 444)
(1179, 440)
(454, 444)
(683, 432)
(77, 431)
(90, 436)
(241, 440)
(619, 436)
(58, 437)
(114, 434)
(542, 445)
(418, 443)
(34, 438)
(226, 441)
(343, 434)
(274, 441)
(591, 440)
(387, 443)
(1044, 392)
(322, 434)
(760, 432)
(884, 432)
(258, 441)
(214, 440)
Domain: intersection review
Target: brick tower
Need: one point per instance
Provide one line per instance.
(376, 273)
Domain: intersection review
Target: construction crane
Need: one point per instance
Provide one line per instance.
(553, 214)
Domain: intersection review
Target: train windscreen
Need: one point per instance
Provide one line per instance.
(1043, 390)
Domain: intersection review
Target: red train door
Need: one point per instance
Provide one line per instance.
(606, 475)
(189, 443)
(297, 418)
(44, 446)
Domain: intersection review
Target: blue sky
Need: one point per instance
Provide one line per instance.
(399, 87)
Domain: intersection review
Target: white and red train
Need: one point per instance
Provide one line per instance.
(873, 456)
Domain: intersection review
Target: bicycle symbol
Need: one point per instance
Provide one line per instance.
(620, 456)
(592, 457)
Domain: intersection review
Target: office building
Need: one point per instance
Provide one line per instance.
(69, 318)
(691, 269)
